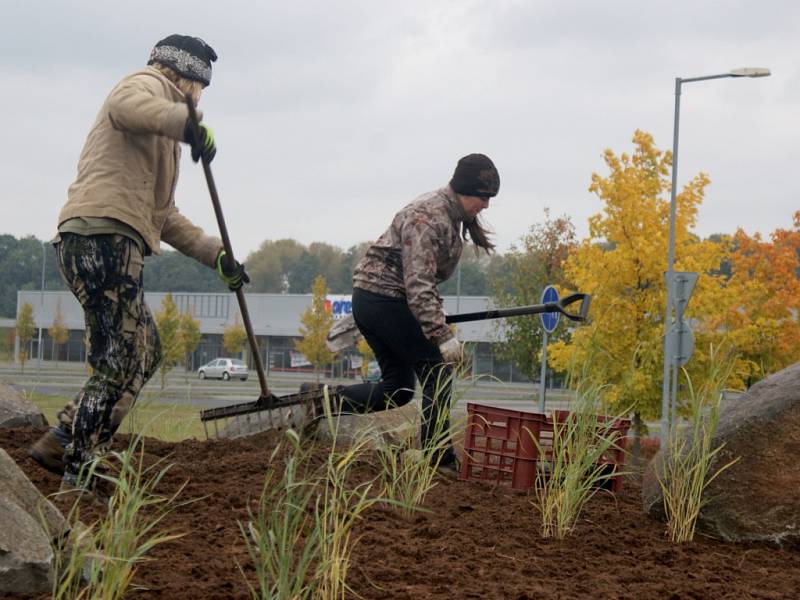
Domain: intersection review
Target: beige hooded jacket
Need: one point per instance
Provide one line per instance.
(128, 168)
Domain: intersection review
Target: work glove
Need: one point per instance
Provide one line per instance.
(452, 350)
(204, 146)
(233, 278)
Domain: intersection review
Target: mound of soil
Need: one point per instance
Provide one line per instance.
(476, 542)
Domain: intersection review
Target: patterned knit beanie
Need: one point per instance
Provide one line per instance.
(189, 56)
(476, 175)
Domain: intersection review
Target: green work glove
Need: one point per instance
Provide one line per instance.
(205, 146)
(233, 278)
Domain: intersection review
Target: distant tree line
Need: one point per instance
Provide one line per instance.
(278, 267)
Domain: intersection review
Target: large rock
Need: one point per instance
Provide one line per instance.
(28, 523)
(385, 427)
(15, 486)
(756, 498)
(16, 411)
(26, 557)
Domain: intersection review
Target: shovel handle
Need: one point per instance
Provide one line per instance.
(534, 309)
(226, 244)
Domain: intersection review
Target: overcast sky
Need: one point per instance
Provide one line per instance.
(331, 115)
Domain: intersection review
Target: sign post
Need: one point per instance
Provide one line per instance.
(678, 345)
(549, 324)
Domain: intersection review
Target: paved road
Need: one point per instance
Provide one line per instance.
(65, 379)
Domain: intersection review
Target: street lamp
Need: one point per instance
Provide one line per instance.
(41, 314)
(665, 391)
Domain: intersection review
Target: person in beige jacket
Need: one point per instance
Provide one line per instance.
(118, 210)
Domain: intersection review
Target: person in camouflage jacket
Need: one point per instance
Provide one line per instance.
(119, 208)
(397, 306)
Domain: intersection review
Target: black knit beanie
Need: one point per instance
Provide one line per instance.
(189, 56)
(476, 175)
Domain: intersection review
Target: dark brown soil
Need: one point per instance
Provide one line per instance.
(477, 541)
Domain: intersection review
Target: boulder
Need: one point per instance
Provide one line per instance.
(17, 488)
(26, 557)
(28, 523)
(17, 411)
(385, 427)
(756, 499)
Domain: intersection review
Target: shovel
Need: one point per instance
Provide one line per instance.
(345, 332)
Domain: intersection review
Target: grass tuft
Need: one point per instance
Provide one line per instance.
(687, 466)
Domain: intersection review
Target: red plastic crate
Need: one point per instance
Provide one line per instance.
(499, 446)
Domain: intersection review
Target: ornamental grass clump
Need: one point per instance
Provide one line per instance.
(99, 562)
(572, 469)
(687, 466)
(282, 535)
(300, 537)
(340, 505)
(408, 471)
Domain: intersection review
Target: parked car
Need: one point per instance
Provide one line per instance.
(224, 368)
(373, 372)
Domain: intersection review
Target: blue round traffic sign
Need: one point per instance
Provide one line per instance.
(549, 319)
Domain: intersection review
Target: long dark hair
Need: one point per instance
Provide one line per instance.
(478, 234)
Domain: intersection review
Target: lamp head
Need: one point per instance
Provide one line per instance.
(750, 72)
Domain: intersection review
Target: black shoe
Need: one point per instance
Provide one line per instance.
(450, 469)
(48, 450)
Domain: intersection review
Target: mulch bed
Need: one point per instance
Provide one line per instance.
(477, 541)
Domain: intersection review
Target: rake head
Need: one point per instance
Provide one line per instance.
(271, 412)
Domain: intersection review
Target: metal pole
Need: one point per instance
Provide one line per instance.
(543, 376)
(665, 389)
(41, 314)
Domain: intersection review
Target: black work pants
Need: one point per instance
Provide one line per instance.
(402, 351)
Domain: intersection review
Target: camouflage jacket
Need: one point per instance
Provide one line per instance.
(420, 249)
(129, 166)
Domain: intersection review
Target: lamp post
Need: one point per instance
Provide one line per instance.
(668, 360)
(41, 315)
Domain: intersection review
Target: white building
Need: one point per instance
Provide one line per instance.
(275, 319)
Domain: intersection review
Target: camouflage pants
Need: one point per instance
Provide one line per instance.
(104, 272)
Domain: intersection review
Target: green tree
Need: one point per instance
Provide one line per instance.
(234, 337)
(21, 269)
(474, 270)
(537, 261)
(269, 267)
(58, 331)
(171, 271)
(316, 323)
(25, 327)
(190, 335)
(168, 323)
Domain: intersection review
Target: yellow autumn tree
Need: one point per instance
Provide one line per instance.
(58, 331)
(315, 324)
(25, 328)
(168, 325)
(234, 337)
(622, 263)
(189, 329)
(365, 350)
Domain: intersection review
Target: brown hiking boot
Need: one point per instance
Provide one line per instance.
(48, 450)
